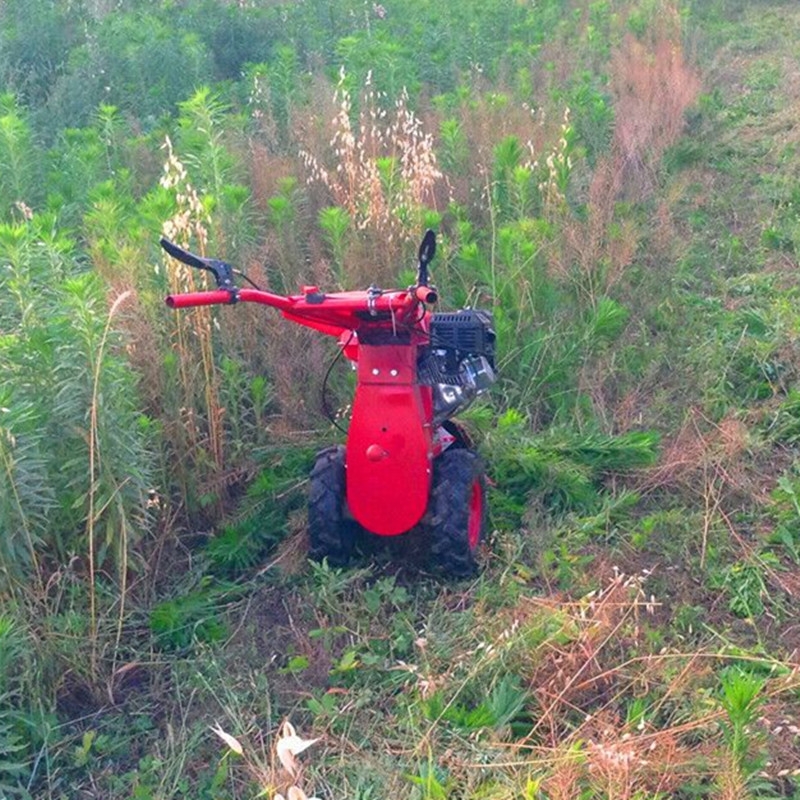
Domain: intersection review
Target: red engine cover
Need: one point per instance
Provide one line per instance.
(389, 445)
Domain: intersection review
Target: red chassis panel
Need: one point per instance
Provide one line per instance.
(389, 445)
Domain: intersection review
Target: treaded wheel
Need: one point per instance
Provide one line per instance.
(457, 511)
(331, 534)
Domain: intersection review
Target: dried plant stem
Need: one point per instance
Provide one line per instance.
(215, 432)
(190, 222)
(93, 513)
(493, 224)
(750, 551)
(712, 499)
(548, 712)
(123, 588)
(8, 468)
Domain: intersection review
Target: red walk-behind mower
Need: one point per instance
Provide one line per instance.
(405, 463)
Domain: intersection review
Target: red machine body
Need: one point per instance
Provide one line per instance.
(390, 439)
(386, 480)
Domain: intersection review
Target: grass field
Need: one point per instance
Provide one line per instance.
(633, 633)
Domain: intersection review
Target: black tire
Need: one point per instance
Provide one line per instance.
(331, 535)
(457, 517)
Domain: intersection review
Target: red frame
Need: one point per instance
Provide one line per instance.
(390, 449)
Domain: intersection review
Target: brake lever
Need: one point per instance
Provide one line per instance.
(222, 271)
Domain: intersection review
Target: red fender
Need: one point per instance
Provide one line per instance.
(389, 446)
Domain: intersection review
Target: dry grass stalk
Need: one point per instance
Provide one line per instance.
(653, 87)
(296, 380)
(705, 460)
(559, 167)
(188, 226)
(595, 254)
(588, 738)
(584, 680)
(565, 773)
(266, 172)
(383, 170)
(259, 100)
(702, 450)
(575, 675)
(93, 513)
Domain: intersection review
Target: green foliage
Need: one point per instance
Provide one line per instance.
(205, 124)
(453, 147)
(786, 510)
(13, 769)
(247, 399)
(510, 180)
(746, 585)
(742, 698)
(607, 320)
(24, 725)
(76, 164)
(784, 426)
(503, 705)
(74, 59)
(118, 453)
(74, 458)
(35, 41)
(234, 36)
(27, 495)
(19, 181)
(285, 87)
(202, 140)
(389, 62)
(263, 515)
(432, 783)
(137, 62)
(561, 468)
(592, 114)
(189, 619)
(548, 334)
(335, 223)
(285, 216)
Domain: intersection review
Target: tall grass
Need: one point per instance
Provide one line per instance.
(196, 368)
(653, 86)
(383, 173)
(77, 464)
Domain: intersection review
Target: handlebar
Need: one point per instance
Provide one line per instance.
(329, 313)
(426, 294)
(225, 297)
(190, 299)
(358, 303)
